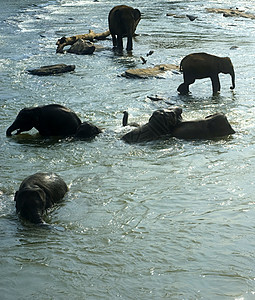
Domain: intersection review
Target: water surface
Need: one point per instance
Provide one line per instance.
(166, 219)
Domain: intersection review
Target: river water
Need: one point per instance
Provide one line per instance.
(169, 219)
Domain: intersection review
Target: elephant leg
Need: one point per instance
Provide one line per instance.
(114, 40)
(183, 89)
(215, 84)
(119, 42)
(129, 43)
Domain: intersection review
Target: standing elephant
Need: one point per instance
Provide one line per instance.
(37, 193)
(202, 65)
(123, 21)
(52, 120)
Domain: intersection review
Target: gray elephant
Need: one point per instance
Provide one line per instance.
(202, 65)
(37, 193)
(52, 120)
(123, 21)
(212, 126)
(168, 122)
(161, 123)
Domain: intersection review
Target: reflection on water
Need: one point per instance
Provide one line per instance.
(166, 219)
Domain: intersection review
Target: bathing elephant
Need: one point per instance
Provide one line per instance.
(169, 122)
(162, 122)
(37, 193)
(123, 21)
(212, 126)
(202, 65)
(52, 120)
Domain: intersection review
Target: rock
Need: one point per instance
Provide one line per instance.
(156, 98)
(82, 47)
(150, 72)
(231, 12)
(192, 18)
(52, 69)
(91, 36)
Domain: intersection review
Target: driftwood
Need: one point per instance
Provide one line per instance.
(150, 72)
(51, 70)
(231, 12)
(65, 41)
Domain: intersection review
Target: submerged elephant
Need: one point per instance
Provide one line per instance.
(52, 120)
(212, 126)
(202, 65)
(169, 122)
(161, 123)
(37, 193)
(123, 21)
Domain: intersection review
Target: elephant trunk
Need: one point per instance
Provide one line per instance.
(33, 216)
(11, 129)
(233, 79)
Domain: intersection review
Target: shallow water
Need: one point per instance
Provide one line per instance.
(166, 219)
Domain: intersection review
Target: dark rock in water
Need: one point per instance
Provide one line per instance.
(51, 70)
(192, 18)
(82, 47)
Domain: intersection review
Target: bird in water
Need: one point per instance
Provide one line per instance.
(125, 120)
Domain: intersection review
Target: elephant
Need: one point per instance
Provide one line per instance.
(37, 193)
(52, 120)
(161, 123)
(202, 65)
(123, 21)
(168, 122)
(213, 126)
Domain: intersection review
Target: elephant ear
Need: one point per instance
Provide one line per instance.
(137, 14)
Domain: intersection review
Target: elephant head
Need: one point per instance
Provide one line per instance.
(31, 203)
(25, 120)
(226, 67)
(87, 130)
(162, 122)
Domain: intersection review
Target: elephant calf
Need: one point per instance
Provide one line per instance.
(37, 193)
(212, 126)
(52, 120)
(169, 122)
(202, 65)
(123, 21)
(161, 122)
